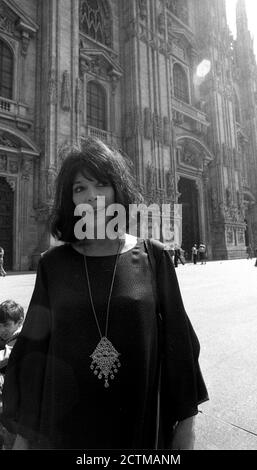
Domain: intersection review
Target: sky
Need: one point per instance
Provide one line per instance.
(251, 9)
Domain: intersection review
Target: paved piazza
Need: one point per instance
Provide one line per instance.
(221, 301)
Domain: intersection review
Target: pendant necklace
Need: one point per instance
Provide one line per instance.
(105, 358)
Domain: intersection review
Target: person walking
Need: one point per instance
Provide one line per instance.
(2, 271)
(94, 363)
(194, 253)
(178, 256)
(202, 253)
(249, 252)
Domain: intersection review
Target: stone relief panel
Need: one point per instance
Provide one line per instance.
(13, 166)
(7, 21)
(3, 162)
(241, 236)
(190, 156)
(229, 235)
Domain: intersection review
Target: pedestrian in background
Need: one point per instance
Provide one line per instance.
(194, 253)
(93, 364)
(249, 252)
(202, 253)
(178, 256)
(2, 271)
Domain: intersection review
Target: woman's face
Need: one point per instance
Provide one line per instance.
(86, 188)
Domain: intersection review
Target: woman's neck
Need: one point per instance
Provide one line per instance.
(105, 247)
(98, 247)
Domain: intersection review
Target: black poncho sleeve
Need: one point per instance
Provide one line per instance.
(182, 386)
(24, 377)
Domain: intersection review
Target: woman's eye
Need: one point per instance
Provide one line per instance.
(78, 189)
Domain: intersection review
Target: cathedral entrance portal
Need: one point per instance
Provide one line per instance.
(6, 222)
(190, 217)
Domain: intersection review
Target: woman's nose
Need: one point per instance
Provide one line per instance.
(91, 194)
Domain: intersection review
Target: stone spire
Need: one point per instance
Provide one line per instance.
(241, 16)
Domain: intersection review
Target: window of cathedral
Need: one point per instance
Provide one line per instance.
(180, 83)
(6, 70)
(96, 105)
(95, 20)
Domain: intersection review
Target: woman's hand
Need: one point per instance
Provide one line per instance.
(184, 435)
(20, 443)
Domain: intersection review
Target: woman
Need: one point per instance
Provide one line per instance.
(85, 372)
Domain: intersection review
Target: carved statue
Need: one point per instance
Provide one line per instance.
(170, 184)
(161, 23)
(166, 131)
(150, 178)
(142, 9)
(148, 124)
(65, 96)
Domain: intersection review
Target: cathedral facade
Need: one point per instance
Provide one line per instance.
(161, 79)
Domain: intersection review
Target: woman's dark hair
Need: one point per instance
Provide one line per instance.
(106, 165)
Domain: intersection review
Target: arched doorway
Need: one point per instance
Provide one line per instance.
(6, 222)
(190, 216)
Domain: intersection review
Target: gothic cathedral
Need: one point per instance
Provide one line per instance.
(163, 80)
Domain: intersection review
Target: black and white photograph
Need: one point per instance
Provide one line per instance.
(128, 230)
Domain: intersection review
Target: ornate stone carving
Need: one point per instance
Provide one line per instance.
(25, 39)
(148, 124)
(65, 95)
(50, 183)
(78, 96)
(166, 131)
(13, 166)
(161, 23)
(157, 127)
(3, 162)
(6, 142)
(170, 185)
(229, 235)
(95, 20)
(52, 87)
(6, 24)
(142, 9)
(26, 167)
(12, 182)
(138, 125)
(215, 204)
(177, 117)
(150, 178)
(190, 157)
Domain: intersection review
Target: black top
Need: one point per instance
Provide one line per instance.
(52, 397)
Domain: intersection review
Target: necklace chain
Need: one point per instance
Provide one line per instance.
(110, 293)
(105, 358)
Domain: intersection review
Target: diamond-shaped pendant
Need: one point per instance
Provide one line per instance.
(105, 361)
